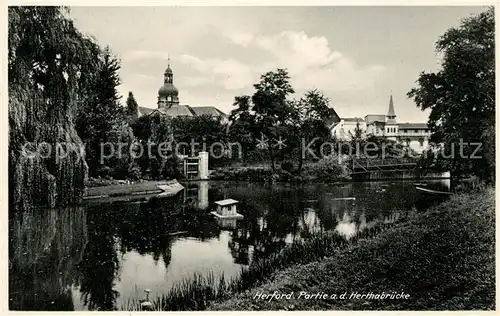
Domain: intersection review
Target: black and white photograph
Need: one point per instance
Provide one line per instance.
(240, 157)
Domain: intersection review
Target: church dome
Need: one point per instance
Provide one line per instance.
(168, 89)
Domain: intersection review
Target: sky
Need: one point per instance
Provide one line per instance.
(357, 56)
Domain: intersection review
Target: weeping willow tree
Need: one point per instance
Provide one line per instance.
(52, 73)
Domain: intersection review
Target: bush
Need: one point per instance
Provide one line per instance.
(104, 172)
(327, 169)
(287, 166)
(134, 172)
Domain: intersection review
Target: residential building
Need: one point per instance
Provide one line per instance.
(414, 135)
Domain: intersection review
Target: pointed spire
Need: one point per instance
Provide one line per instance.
(168, 72)
(391, 113)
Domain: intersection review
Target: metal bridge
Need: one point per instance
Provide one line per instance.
(374, 169)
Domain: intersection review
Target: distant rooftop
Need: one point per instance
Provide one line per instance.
(226, 202)
(413, 126)
(184, 110)
(207, 110)
(370, 118)
(145, 110)
(352, 119)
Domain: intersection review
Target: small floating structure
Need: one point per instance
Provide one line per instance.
(227, 209)
(432, 192)
(345, 198)
(228, 223)
(170, 188)
(178, 233)
(133, 191)
(310, 201)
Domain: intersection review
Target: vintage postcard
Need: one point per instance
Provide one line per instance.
(251, 158)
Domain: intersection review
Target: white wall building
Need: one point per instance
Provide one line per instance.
(414, 135)
(346, 128)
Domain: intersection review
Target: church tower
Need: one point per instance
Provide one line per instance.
(391, 127)
(168, 94)
(391, 115)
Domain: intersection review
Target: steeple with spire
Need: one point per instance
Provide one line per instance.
(168, 94)
(391, 114)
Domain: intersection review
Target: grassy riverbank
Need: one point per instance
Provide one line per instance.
(444, 259)
(199, 292)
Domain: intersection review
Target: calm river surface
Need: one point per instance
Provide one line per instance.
(102, 255)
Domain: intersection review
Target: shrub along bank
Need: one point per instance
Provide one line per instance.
(325, 170)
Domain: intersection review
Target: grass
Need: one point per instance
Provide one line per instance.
(198, 292)
(444, 259)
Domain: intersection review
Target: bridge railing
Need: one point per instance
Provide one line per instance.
(367, 163)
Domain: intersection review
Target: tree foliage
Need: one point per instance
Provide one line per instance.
(154, 134)
(47, 58)
(100, 111)
(132, 106)
(260, 121)
(461, 94)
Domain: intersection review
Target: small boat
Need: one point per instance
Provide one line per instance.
(432, 192)
(421, 184)
(170, 188)
(177, 233)
(345, 198)
(427, 198)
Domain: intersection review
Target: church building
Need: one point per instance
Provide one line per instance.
(168, 103)
(414, 135)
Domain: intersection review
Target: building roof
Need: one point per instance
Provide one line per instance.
(207, 110)
(352, 119)
(145, 111)
(332, 119)
(226, 202)
(413, 126)
(370, 118)
(173, 111)
(184, 110)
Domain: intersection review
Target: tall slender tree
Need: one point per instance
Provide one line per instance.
(272, 107)
(102, 110)
(132, 106)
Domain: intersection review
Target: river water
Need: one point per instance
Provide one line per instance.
(100, 256)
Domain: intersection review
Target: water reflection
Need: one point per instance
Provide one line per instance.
(45, 248)
(100, 256)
